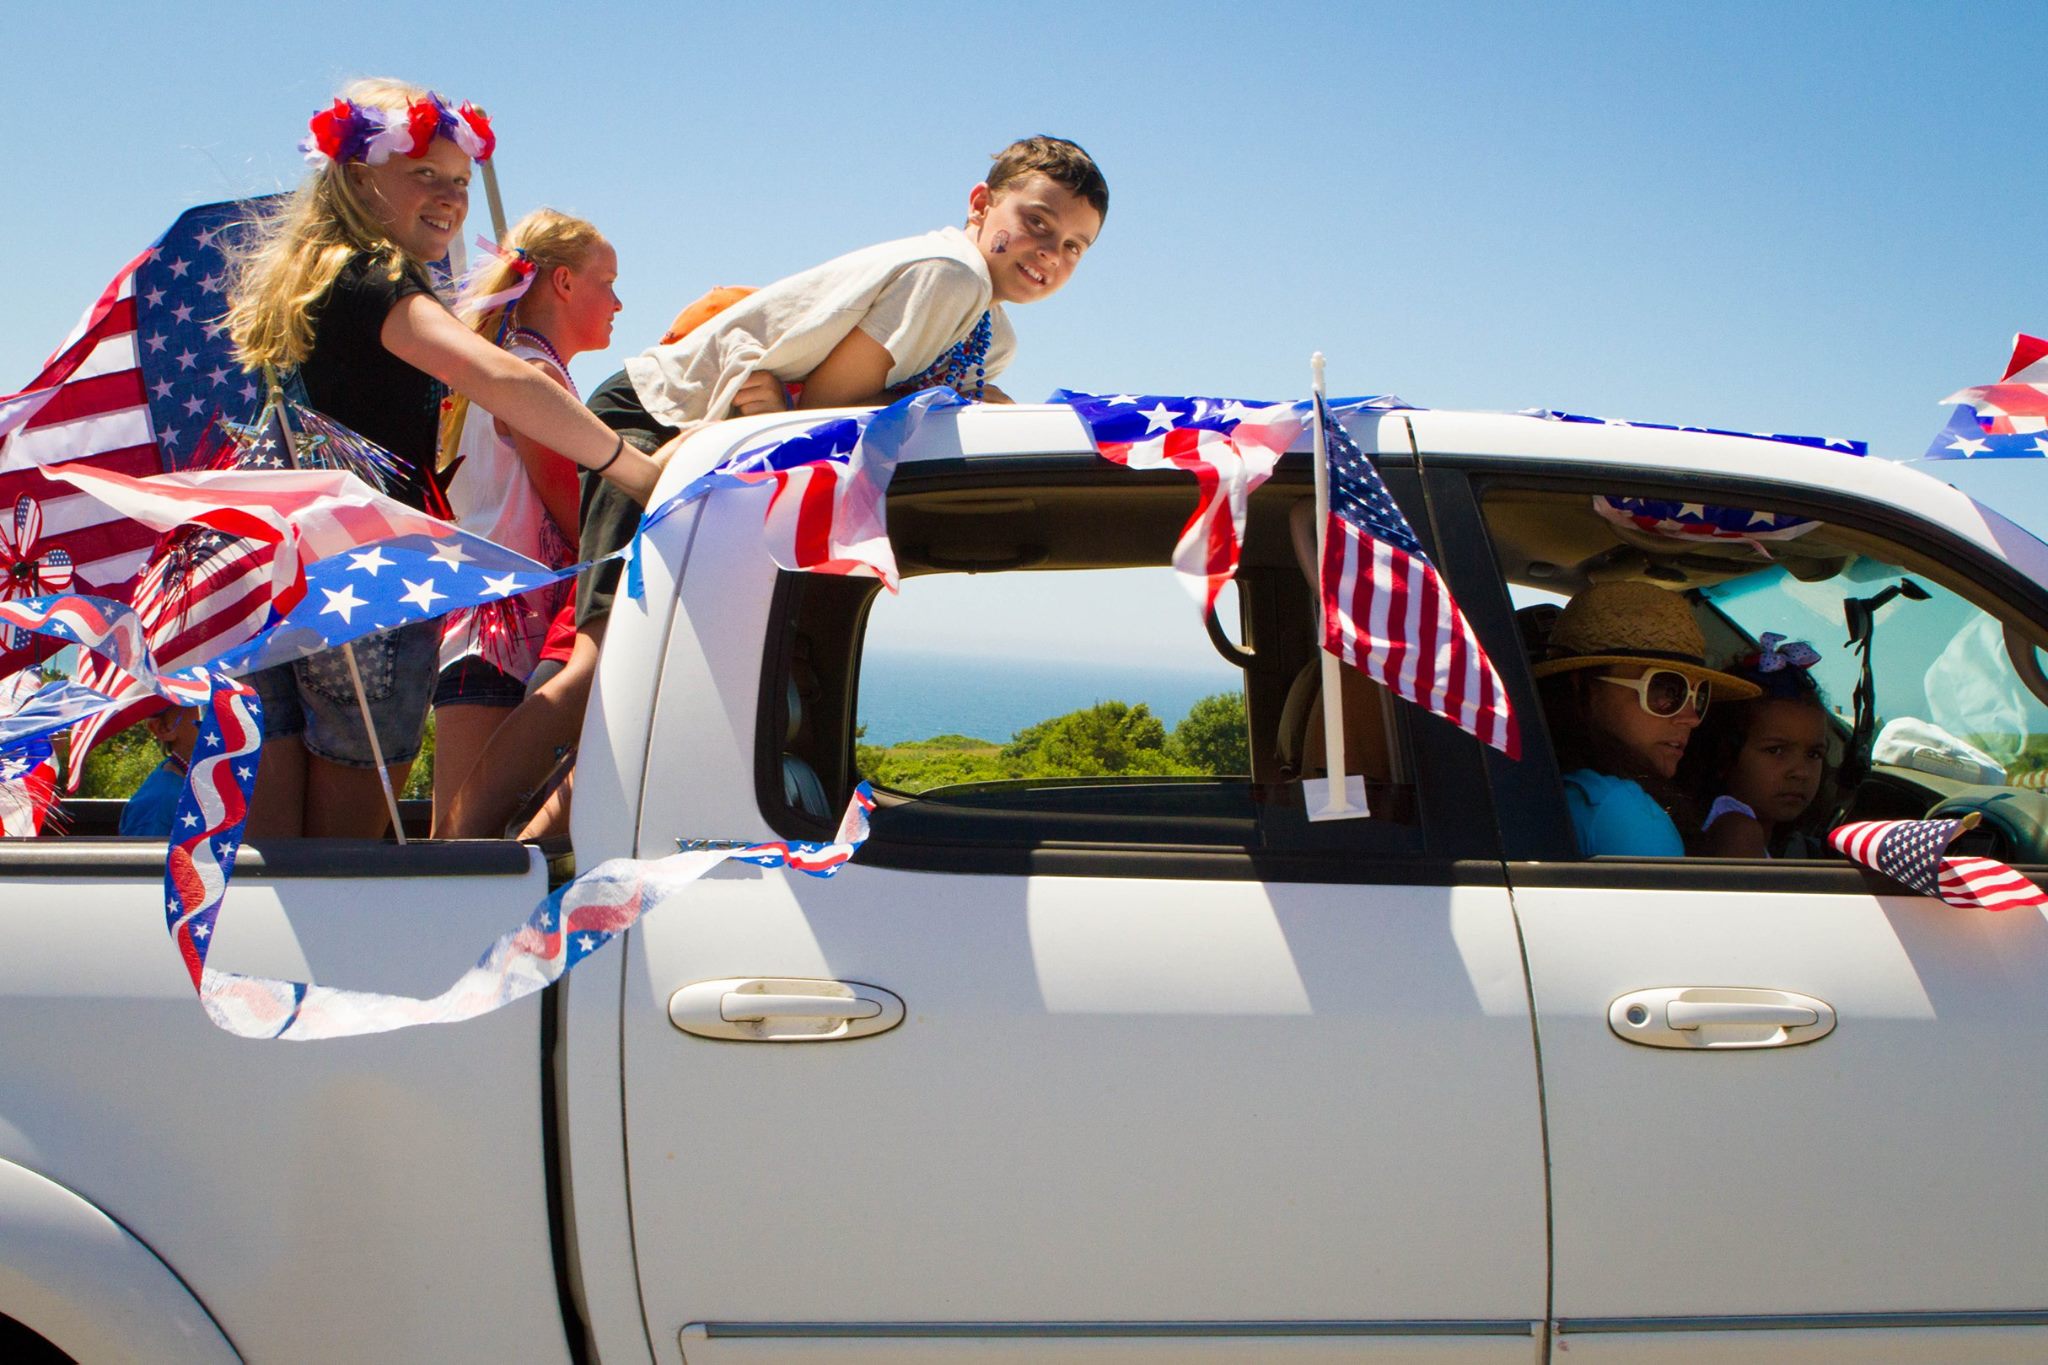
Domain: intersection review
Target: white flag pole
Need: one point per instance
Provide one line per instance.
(1336, 792)
(348, 650)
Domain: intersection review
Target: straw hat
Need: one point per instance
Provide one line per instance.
(1635, 623)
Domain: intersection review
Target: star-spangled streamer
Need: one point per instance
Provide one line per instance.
(1230, 445)
(1842, 443)
(206, 826)
(569, 925)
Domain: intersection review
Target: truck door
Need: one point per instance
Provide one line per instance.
(1788, 1110)
(1180, 1074)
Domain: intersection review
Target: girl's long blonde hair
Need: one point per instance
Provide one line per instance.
(549, 238)
(290, 261)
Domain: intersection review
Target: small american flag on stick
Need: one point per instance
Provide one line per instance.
(1387, 613)
(1914, 853)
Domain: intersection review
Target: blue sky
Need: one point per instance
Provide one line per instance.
(1806, 218)
(1803, 218)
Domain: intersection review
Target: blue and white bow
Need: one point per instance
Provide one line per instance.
(1776, 653)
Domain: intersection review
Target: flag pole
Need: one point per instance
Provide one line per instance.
(348, 650)
(491, 195)
(1337, 796)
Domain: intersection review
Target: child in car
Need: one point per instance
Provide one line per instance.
(1755, 767)
(1624, 685)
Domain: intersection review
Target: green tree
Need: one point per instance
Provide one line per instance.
(1107, 739)
(1212, 738)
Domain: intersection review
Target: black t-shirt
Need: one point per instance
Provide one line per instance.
(351, 377)
(609, 516)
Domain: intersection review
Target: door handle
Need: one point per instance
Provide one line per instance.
(1719, 1018)
(736, 1007)
(775, 1009)
(1690, 1014)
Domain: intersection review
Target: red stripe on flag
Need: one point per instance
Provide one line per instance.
(94, 397)
(814, 519)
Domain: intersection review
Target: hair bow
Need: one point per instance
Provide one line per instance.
(523, 268)
(1777, 653)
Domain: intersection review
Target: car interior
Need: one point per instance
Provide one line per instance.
(1938, 703)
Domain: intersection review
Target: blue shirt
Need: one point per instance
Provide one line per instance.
(1615, 815)
(149, 811)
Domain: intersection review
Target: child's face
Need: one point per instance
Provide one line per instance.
(1777, 772)
(1656, 743)
(420, 202)
(1031, 236)
(590, 303)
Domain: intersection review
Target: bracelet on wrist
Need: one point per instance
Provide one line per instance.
(618, 449)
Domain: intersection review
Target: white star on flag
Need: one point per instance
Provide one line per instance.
(501, 587)
(449, 552)
(341, 603)
(1969, 445)
(368, 561)
(421, 595)
(1158, 418)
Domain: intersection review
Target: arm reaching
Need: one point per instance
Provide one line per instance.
(425, 335)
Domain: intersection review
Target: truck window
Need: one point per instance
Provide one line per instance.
(1043, 678)
(1932, 696)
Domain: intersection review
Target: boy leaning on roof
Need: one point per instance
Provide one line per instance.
(860, 329)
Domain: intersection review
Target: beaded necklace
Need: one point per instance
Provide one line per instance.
(949, 371)
(545, 347)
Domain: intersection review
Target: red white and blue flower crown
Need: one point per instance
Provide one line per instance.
(347, 131)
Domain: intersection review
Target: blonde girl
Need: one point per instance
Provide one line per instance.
(333, 290)
(546, 295)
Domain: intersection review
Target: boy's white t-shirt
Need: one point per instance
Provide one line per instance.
(917, 297)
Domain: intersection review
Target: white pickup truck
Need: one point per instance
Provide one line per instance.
(1180, 1075)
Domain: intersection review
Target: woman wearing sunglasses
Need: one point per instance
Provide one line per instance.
(1624, 685)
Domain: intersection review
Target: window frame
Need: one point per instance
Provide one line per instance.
(1536, 837)
(1450, 841)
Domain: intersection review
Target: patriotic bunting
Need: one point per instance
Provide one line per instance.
(2006, 420)
(1914, 854)
(565, 928)
(1811, 442)
(830, 480)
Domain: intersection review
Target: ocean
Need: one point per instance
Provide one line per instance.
(906, 696)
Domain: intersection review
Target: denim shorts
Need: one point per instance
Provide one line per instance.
(315, 698)
(474, 680)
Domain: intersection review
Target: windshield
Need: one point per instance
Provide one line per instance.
(1948, 699)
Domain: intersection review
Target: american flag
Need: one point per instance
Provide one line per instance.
(133, 390)
(830, 480)
(1388, 614)
(1914, 854)
(1230, 446)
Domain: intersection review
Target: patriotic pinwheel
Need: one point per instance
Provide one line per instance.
(23, 572)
